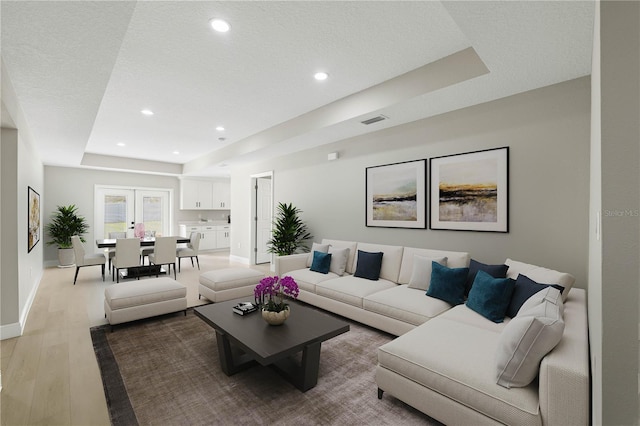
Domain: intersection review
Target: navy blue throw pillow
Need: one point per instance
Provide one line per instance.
(369, 265)
(447, 283)
(524, 289)
(490, 297)
(496, 271)
(321, 262)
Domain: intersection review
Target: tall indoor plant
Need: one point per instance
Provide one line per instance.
(65, 222)
(289, 231)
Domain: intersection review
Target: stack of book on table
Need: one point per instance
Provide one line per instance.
(244, 308)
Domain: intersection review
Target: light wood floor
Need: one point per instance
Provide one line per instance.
(49, 374)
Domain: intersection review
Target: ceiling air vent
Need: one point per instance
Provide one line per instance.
(374, 119)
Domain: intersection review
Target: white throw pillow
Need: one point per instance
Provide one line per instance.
(528, 337)
(421, 275)
(323, 248)
(339, 257)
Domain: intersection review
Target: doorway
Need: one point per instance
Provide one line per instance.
(262, 216)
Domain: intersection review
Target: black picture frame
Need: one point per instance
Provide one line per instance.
(470, 191)
(33, 219)
(396, 195)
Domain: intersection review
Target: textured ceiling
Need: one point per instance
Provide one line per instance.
(82, 71)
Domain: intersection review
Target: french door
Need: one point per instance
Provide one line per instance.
(120, 209)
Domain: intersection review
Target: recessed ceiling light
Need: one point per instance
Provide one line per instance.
(176, 152)
(120, 144)
(220, 25)
(321, 76)
(147, 112)
(220, 128)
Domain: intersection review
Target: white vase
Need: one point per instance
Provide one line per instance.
(276, 318)
(66, 257)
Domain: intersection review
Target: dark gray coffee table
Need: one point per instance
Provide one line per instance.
(245, 340)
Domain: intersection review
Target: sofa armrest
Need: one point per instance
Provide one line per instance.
(564, 387)
(285, 264)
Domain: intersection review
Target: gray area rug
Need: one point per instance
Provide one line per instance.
(166, 371)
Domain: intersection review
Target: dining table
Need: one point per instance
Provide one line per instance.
(147, 241)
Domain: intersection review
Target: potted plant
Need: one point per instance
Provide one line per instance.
(65, 223)
(289, 232)
(270, 295)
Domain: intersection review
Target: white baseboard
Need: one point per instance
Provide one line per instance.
(239, 259)
(9, 331)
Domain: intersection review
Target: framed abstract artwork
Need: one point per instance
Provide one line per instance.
(396, 195)
(33, 221)
(470, 191)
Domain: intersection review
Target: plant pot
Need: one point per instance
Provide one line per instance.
(66, 258)
(276, 318)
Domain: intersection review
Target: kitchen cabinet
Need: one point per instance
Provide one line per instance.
(212, 237)
(222, 195)
(200, 194)
(208, 236)
(196, 194)
(223, 237)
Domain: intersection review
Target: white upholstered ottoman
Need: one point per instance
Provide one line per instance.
(229, 283)
(143, 299)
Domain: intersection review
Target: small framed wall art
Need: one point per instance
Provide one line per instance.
(33, 233)
(470, 191)
(396, 195)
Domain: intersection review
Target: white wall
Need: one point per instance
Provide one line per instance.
(547, 131)
(614, 280)
(21, 270)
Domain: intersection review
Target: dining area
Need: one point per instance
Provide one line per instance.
(139, 256)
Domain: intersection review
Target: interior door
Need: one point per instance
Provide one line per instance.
(114, 211)
(264, 219)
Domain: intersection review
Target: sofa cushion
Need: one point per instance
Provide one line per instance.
(368, 265)
(323, 248)
(496, 271)
(351, 245)
(524, 289)
(490, 296)
(307, 279)
(405, 304)
(448, 283)
(533, 333)
(455, 259)
(391, 259)
(458, 362)
(351, 290)
(541, 275)
(421, 276)
(339, 259)
(321, 262)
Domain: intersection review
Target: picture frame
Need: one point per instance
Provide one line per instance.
(33, 219)
(470, 191)
(396, 195)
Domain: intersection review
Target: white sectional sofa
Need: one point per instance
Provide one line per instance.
(444, 362)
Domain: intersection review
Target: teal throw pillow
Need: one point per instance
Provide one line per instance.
(447, 283)
(490, 297)
(369, 265)
(321, 262)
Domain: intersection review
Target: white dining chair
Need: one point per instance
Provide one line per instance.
(191, 250)
(146, 251)
(127, 255)
(83, 259)
(164, 253)
(112, 251)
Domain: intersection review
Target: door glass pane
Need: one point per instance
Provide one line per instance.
(115, 214)
(152, 214)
